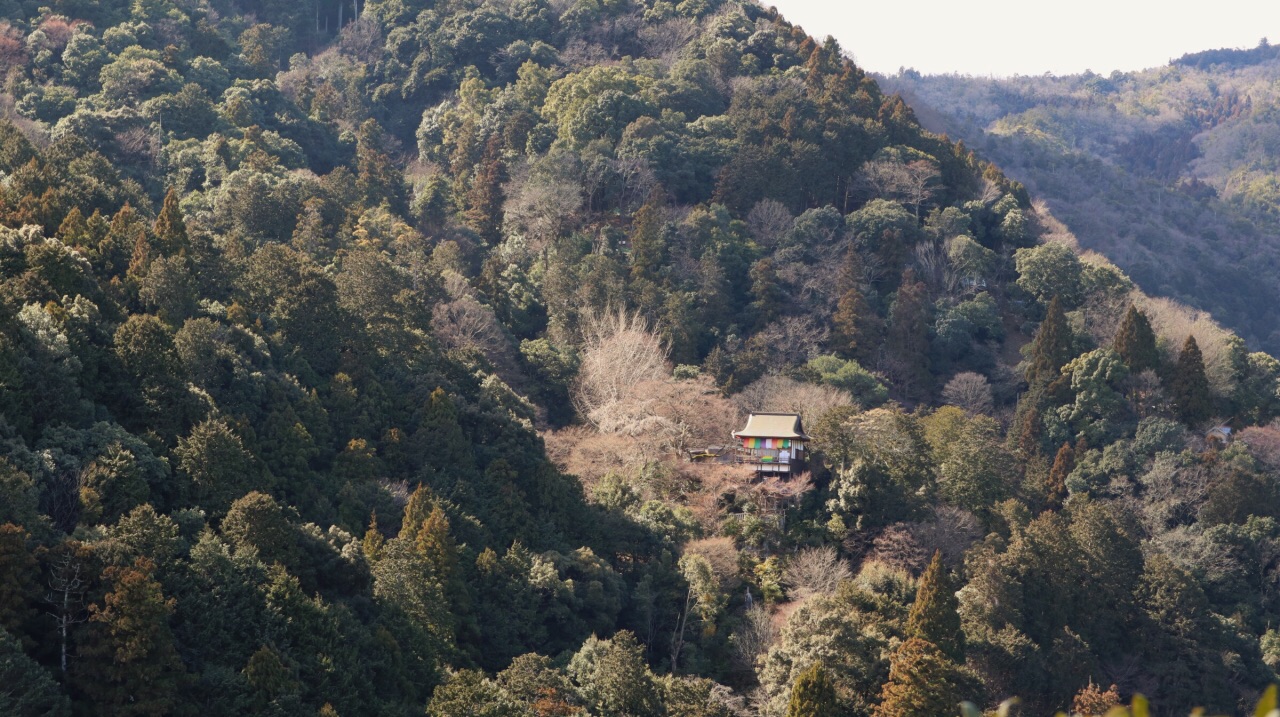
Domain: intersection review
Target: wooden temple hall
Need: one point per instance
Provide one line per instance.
(773, 443)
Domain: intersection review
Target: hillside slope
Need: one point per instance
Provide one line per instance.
(1169, 172)
(352, 357)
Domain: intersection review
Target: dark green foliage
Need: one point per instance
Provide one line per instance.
(1051, 348)
(129, 664)
(1136, 342)
(287, 271)
(30, 691)
(1189, 386)
(933, 615)
(908, 335)
(19, 590)
(813, 694)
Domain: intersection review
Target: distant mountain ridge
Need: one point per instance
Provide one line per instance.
(1169, 172)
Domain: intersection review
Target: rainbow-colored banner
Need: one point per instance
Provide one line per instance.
(766, 443)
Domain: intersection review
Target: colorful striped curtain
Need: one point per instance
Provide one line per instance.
(770, 443)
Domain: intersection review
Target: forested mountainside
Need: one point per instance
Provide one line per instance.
(1169, 172)
(352, 356)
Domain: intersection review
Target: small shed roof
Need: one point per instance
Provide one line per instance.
(773, 425)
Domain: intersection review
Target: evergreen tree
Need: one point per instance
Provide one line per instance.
(443, 445)
(1056, 483)
(855, 322)
(922, 681)
(26, 689)
(377, 178)
(766, 296)
(908, 338)
(484, 200)
(648, 245)
(1051, 347)
(933, 615)
(18, 586)
(170, 229)
(435, 544)
(1136, 342)
(1189, 385)
(129, 665)
(218, 465)
(373, 540)
(813, 694)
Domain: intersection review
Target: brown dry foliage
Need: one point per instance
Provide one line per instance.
(1092, 700)
(897, 547)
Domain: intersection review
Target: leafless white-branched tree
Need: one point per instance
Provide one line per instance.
(619, 353)
(540, 206)
(816, 571)
(754, 636)
(913, 183)
(768, 221)
(970, 391)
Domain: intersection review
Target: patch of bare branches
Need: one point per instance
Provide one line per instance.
(816, 571)
(780, 394)
(970, 391)
(619, 353)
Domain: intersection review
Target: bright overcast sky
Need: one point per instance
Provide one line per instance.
(1031, 37)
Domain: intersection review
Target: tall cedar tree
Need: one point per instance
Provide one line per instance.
(1051, 348)
(648, 246)
(813, 694)
(170, 229)
(934, 617)
(444, 446)
(766, 296)
(435, 544)
(1030, 426)
(856, 325)
(1056, 483)
(377, 178)
(1189, 385)
(1136, 342)
(908, 339)
(484, 200)
(922, 681)
(129, 665)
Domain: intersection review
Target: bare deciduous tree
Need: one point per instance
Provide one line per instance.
(970, 391)
(619, 353)
(897, 547)
(541, 206)
(913, 183)
(816, 571)
(768, 221)
(950, 531)
(754, 636)
(780, 394)
(467, 324)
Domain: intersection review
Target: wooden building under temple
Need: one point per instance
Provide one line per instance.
(774, 443)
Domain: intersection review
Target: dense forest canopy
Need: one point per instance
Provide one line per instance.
(352, 356)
